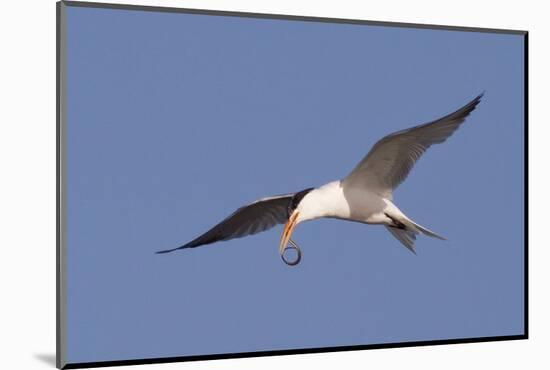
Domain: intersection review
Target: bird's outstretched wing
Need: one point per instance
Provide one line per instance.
(247, 220)
(391, 159)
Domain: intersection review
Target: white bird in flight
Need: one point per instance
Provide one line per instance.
(365, 195)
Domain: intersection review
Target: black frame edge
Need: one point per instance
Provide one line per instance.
(286, 17)
(526, 181)
(60, 337)
(289, 352)
(57, 277)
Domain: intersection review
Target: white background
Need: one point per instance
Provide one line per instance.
(27, 183)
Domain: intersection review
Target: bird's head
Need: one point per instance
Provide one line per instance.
(297, 211)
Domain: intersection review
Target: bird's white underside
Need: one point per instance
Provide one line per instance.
(348, 202)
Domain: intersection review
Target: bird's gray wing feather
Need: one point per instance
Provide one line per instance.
(391, 159)
(247, 220)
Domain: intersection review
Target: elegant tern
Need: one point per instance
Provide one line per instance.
(364, 196)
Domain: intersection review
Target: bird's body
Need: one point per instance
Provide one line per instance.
(333, 200)
(344, 201)
(365, 195)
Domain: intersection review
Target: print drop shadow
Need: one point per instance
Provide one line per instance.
(47, 358)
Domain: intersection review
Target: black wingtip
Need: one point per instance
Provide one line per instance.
(169, 250)
(465, 111)
(478, 98)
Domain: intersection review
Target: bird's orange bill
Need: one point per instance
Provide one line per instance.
(287, 231)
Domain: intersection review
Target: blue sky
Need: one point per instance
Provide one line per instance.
(175, 120)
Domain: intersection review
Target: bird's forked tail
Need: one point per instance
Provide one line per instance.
(406, 230)
(421, 229)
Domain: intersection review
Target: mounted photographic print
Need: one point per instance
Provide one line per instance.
(237, 184)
